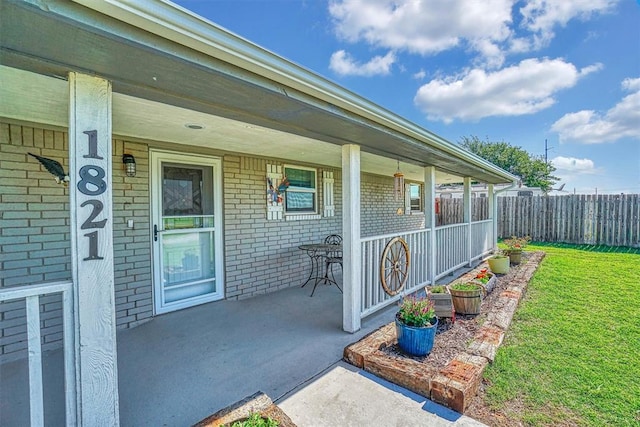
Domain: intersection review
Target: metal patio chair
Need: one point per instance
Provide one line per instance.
(333, 257)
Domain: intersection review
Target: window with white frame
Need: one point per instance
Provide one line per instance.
(301, 195)
(415, 197)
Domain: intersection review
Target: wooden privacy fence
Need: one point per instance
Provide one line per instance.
(608, 219)
(450, 211)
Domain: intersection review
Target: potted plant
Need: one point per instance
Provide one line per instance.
(499, 264)
(441, 298)
(515, 245)
(416, 325)
(467, 297)
(256, 420)
(487, 279)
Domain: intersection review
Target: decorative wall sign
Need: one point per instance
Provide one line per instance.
(276, 185)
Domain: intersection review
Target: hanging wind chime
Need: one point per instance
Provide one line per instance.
(398, 184)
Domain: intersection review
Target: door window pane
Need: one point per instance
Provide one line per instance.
(182, 191)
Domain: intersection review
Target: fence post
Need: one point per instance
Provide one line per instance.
(430, 219)
(493, 217)
(467, 214)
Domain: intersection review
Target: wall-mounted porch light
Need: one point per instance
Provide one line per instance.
(129, 164)
(398, 184)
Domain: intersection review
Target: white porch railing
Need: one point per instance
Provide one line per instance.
(451, 248)
(451, 252)
(373, 295)
(31, 294)
(481, 238)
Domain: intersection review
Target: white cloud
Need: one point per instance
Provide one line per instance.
(590, 127)
(525, 88)
(573, 165)
(540, 17)
(420, 75)
(425, 27)
(631, 84)
(490, 28)
(344, 64)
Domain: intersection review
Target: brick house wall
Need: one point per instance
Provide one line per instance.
(380, 210)
(260, 255)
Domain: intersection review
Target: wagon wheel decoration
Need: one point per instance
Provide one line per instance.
(394, 266)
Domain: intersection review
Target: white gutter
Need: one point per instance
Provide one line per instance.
(175, 23)
(509, 187)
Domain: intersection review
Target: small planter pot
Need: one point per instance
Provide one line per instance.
(499, 264)
(467, 301)
(442, 303)
(416, 341)
(488, 287)
(515, 256)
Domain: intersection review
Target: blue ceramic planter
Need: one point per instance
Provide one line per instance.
(416, 341)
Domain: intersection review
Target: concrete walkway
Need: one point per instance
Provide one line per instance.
(349, 397)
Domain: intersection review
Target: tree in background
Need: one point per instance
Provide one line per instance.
(532, 170)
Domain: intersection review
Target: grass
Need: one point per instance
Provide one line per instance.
(572, 354)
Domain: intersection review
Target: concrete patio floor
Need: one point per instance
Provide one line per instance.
(181, 367)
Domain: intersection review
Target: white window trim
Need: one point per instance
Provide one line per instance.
(408, 210)
(295, 216)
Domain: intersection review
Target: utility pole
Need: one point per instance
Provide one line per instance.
(546, 150)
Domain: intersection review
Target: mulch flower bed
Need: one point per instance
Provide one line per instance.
(453, 337)
(451, 373)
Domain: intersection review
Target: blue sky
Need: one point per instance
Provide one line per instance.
(565, 71)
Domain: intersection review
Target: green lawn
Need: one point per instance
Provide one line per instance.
(572, 354)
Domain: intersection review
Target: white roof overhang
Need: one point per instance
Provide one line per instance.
(165, 61)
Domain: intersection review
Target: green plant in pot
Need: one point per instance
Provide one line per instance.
(256, 420)
(499, 264)
(467, 297)
(441, 298)
(487, 279)
(416, 325)
(515, 246)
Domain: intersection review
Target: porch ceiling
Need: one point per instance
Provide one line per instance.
(160, 85)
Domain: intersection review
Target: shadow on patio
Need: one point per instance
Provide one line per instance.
(183, 366)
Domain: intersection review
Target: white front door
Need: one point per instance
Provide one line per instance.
(187, 230)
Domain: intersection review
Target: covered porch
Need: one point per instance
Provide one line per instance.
(183, 366)
(124, 76)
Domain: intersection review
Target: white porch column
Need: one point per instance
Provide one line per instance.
(430, 218)
(493, 213)
(92, 250)
(466, 212)
(352, 281)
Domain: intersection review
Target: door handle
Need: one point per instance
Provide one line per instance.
(155, 232)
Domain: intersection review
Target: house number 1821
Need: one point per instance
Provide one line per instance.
(92, 183)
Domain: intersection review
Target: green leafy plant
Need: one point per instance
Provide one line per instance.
(256, 420)
(464, 286)
(418, 312)
(515, 243)
(439, 289)
(483, 276)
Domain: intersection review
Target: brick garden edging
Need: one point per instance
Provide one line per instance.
(257, 402)
(457, 383)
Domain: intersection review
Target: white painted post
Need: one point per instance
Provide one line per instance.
(493, 213)
(467, 214)
(36, 405)
(90, 153)
(430, 219)
(352, 280)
